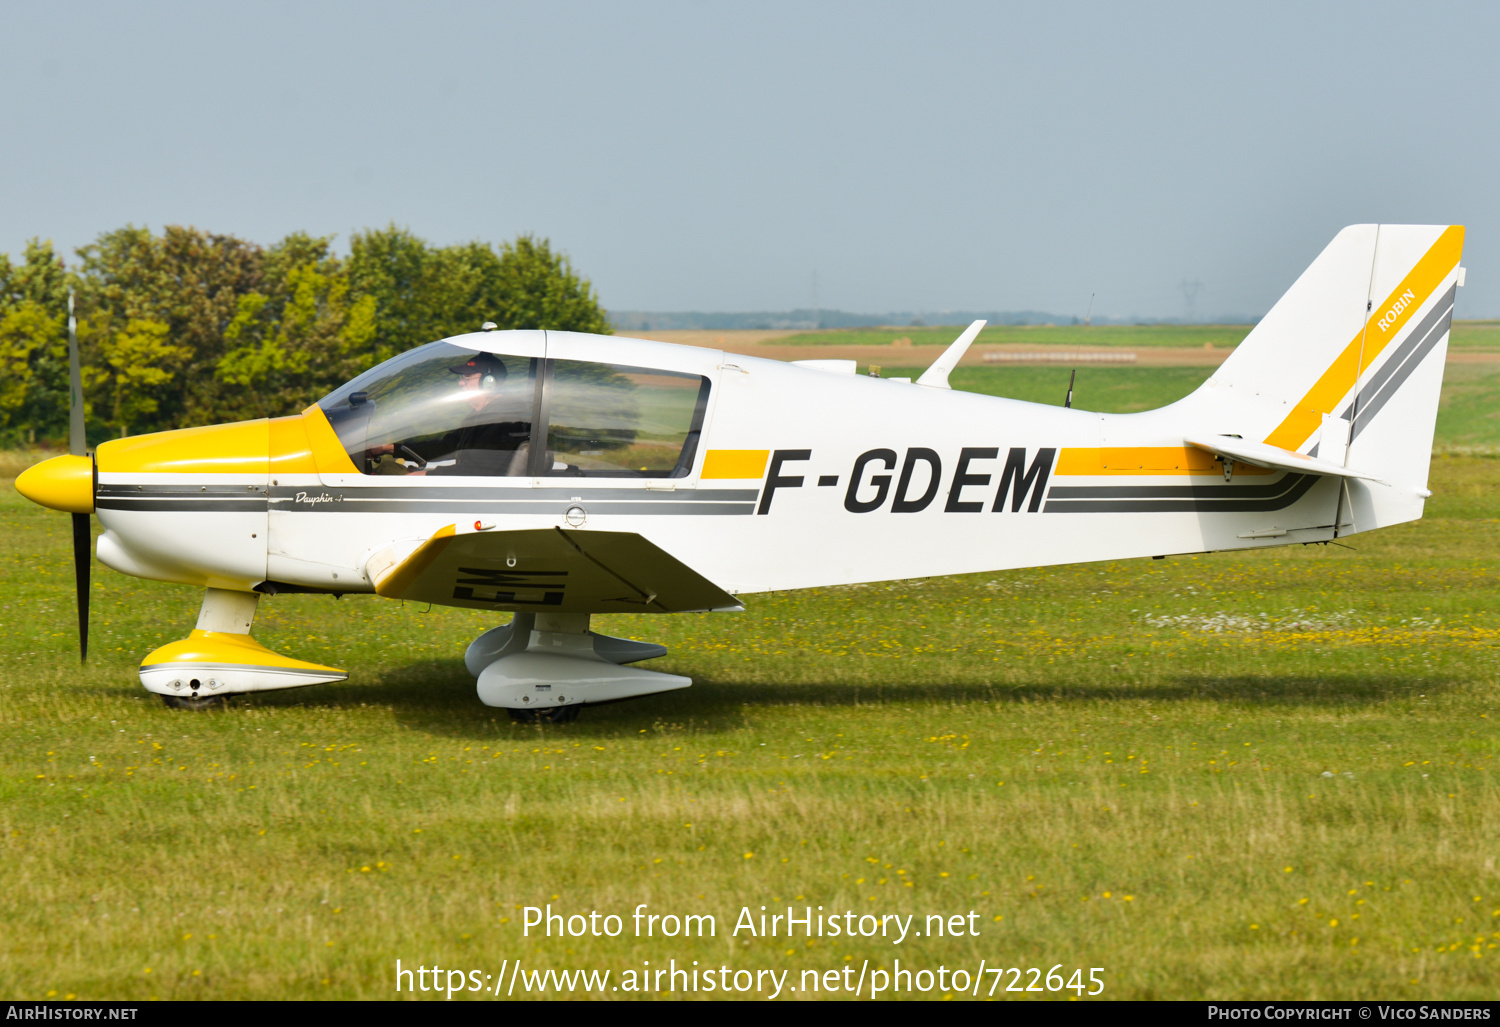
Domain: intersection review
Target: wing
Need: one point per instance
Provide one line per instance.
(546, 569)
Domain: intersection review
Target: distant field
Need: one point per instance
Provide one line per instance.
(1467, 335)
(1475, 335)
(1193, 336)
(1110, 390)
(1468, 415)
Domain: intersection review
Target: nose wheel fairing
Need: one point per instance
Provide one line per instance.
(220, 658)
(226, 663)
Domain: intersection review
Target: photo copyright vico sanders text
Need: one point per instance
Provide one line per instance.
(1361, 1011)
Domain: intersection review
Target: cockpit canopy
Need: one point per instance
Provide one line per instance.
(445, 409)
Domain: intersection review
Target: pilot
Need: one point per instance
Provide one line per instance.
(494, 438)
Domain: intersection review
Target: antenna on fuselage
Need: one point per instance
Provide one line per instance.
(1072, 376)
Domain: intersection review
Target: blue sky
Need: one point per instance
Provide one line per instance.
(718, 156)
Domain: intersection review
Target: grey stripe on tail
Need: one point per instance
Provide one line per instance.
(1394, 372)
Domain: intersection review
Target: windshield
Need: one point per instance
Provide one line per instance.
(438, 409)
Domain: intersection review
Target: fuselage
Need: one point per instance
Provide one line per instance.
(556, 476)
(784, 476)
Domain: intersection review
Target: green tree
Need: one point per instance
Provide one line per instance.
(192, 327)
(30, 335)
(303, 337)
(41, 278)
(424, 293)
(33, 347)
(534, 287)
(133, 371)
(392, 266)
(187, 279)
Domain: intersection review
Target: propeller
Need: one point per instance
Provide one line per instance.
(78, 446)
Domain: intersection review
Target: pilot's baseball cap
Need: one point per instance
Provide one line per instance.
(480, 363)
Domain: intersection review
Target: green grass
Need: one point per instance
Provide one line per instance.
(1469, 412)
(1475, 335)
(1171, 793)
(1113, 390)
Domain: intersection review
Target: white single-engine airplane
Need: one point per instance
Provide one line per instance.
(556, 475)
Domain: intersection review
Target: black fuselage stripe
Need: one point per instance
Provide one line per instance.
(1180, 492)
(185, 491)
(1245, 502)
(203, 505)
(555, 508)
(522, 493)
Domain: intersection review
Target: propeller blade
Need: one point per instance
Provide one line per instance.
(82, 564)
(77, 444)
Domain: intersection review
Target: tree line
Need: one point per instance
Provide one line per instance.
(191, 327)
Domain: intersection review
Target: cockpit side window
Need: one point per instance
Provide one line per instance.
(613, 421)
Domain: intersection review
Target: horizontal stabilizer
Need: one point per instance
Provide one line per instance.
(545, 569)
(1263, 454)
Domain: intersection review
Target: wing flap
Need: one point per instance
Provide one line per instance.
(546, 569)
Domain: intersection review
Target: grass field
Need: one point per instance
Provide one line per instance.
(1477, 336)
(1114, 390)
(1259, 775)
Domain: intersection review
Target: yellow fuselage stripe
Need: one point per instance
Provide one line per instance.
(735, 463)
(1161, 461)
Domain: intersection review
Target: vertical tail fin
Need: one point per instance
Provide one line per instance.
(1348, 365)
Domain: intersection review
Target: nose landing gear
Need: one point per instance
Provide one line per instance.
(195, 702)
(219, 658)
(555, 715)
